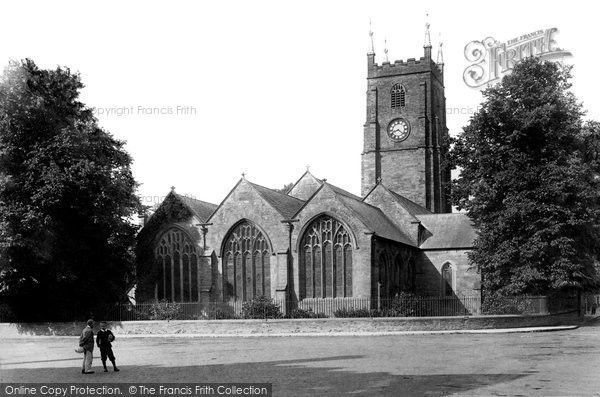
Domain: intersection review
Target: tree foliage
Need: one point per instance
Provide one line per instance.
(286, 188)
(530, 181)
(67, 195)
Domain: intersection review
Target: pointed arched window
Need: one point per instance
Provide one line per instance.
(177, 259)
(398, 95)
(448, 283)
(246, 264)
(325, 260)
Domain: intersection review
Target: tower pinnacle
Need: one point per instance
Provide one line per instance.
(427, 45)
(427, 37)
(440, 55)
(372, 51)
(385, 50)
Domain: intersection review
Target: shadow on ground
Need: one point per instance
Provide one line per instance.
(305, 377)
(591, 322)
(56, 328)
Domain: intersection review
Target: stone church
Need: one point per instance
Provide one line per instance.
(319, 241)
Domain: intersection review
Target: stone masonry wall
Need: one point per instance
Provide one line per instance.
(468, 280)
(330, 326)
(245, 203)
(325, 202)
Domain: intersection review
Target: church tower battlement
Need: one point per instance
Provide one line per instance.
(405, 129)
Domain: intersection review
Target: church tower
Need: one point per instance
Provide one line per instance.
(406, 128)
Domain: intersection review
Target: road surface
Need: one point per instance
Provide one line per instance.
(565, 363)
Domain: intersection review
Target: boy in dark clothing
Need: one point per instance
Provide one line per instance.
(103, 340)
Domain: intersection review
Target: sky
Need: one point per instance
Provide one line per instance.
(203, 91)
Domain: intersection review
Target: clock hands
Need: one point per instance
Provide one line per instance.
(398, 129)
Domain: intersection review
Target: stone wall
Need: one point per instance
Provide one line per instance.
(399, 257)
(245, 203)
(467, 279)
(326, 202)
(297, 326)
(410, 167)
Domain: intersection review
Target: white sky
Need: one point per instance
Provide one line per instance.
(276, 85)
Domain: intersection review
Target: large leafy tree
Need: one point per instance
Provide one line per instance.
(529, 178)
(67, 195)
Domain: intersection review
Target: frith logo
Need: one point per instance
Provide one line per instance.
(490, 59)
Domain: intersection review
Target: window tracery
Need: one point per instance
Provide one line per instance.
(326, 260)
(177, 259)
(247, 264)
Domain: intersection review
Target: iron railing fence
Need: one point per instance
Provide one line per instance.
(393, 307)
(529, 304)
(413, 306)
(186, 311)
(591, 304)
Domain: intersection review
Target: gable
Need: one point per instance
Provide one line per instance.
(247, 200)
(331, 199)
(173, 209)
(202, 209)
(305, 187)
(398, 209)
(255, 204)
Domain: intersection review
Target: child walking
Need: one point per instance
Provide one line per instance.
(103, 340)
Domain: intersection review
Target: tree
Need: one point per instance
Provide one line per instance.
(286, 188)
(530, 181)
(67, 195)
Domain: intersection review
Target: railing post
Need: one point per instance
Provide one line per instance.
(543, 304)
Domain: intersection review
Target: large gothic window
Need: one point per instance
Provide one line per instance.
(247, 264)
(325, 260)
(398, 96)
(177, 259)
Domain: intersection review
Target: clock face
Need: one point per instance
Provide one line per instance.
(398, 129)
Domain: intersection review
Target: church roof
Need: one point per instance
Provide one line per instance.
(344, 192)
(449, 231)
(201, 209)
(310, 184)
(375, 220)
(372, 217)
(410, 206)
(286, 205)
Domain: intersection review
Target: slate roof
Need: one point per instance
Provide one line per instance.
(284, 204)
(376, 221)
(447, 231)
(201, 209)
(344, 192)
(410, 206)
